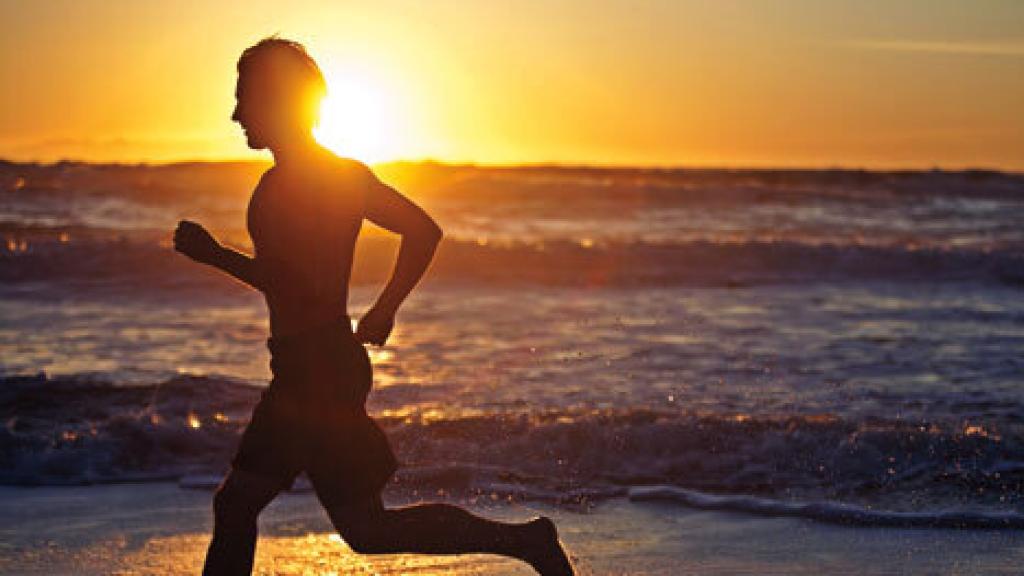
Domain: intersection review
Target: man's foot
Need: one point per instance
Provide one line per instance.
(545, 552)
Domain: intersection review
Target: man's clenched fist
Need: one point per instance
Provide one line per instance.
(375, 326)
(194, 241)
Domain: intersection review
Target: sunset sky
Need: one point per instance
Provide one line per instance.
(673, 82)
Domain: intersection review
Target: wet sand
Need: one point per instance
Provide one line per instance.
(162, 529)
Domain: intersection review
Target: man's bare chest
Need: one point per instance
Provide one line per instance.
(288, 218)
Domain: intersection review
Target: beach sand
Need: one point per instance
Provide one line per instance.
(163, 529)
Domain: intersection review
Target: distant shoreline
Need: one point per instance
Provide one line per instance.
(547, 167)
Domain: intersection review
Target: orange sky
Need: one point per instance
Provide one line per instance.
(673, 82)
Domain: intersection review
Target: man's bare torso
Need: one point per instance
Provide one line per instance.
(304, 221)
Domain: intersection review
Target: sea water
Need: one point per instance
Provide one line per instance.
(846, 340)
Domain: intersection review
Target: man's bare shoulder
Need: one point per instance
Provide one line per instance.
(346, 181)
(344, 169)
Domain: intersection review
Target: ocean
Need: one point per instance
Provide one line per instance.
(843, 345)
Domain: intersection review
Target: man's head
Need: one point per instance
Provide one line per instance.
(278, 93)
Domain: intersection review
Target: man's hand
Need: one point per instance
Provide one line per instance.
(194, 241)
(375, 326)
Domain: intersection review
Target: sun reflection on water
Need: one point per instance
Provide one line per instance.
(320, 554)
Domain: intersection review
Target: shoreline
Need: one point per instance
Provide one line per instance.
(159, 528)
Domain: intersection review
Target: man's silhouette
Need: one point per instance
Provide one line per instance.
(304, 217)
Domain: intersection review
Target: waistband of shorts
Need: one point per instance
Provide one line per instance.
(302, 340)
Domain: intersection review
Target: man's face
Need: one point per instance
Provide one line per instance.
(268, 115)
(252, 114)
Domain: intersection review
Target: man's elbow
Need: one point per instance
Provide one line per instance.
(427, 233)
(432, 233)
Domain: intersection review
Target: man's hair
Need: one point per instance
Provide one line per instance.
(285, 68)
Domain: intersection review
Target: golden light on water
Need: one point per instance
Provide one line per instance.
(320, 553)
(359, 117)
(378, 355)
(193, 421)
(975, 430)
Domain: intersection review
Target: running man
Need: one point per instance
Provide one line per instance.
(304, 217)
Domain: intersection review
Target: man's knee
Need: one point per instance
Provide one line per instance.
(362, 532)
(363, 540)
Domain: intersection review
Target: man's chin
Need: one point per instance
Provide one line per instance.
(254, 143)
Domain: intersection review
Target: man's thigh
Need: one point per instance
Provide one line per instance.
(246, 492)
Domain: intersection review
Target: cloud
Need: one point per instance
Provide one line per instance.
(1009, 48)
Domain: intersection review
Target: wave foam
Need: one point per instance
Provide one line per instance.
(830, 512)
(75, 431)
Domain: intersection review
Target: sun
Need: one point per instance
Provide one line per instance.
(357, 118)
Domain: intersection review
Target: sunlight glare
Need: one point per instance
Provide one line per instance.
(357, 118)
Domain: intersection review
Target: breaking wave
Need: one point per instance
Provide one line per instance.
(78, 431)
(119, 264)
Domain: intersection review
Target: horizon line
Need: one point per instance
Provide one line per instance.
(551, 165)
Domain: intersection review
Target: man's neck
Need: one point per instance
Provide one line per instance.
(296, 151)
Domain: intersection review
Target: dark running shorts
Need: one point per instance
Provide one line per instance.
(313, 418)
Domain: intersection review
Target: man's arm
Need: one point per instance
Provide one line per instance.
(194, 241)
(241, 266)
(389, 209)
